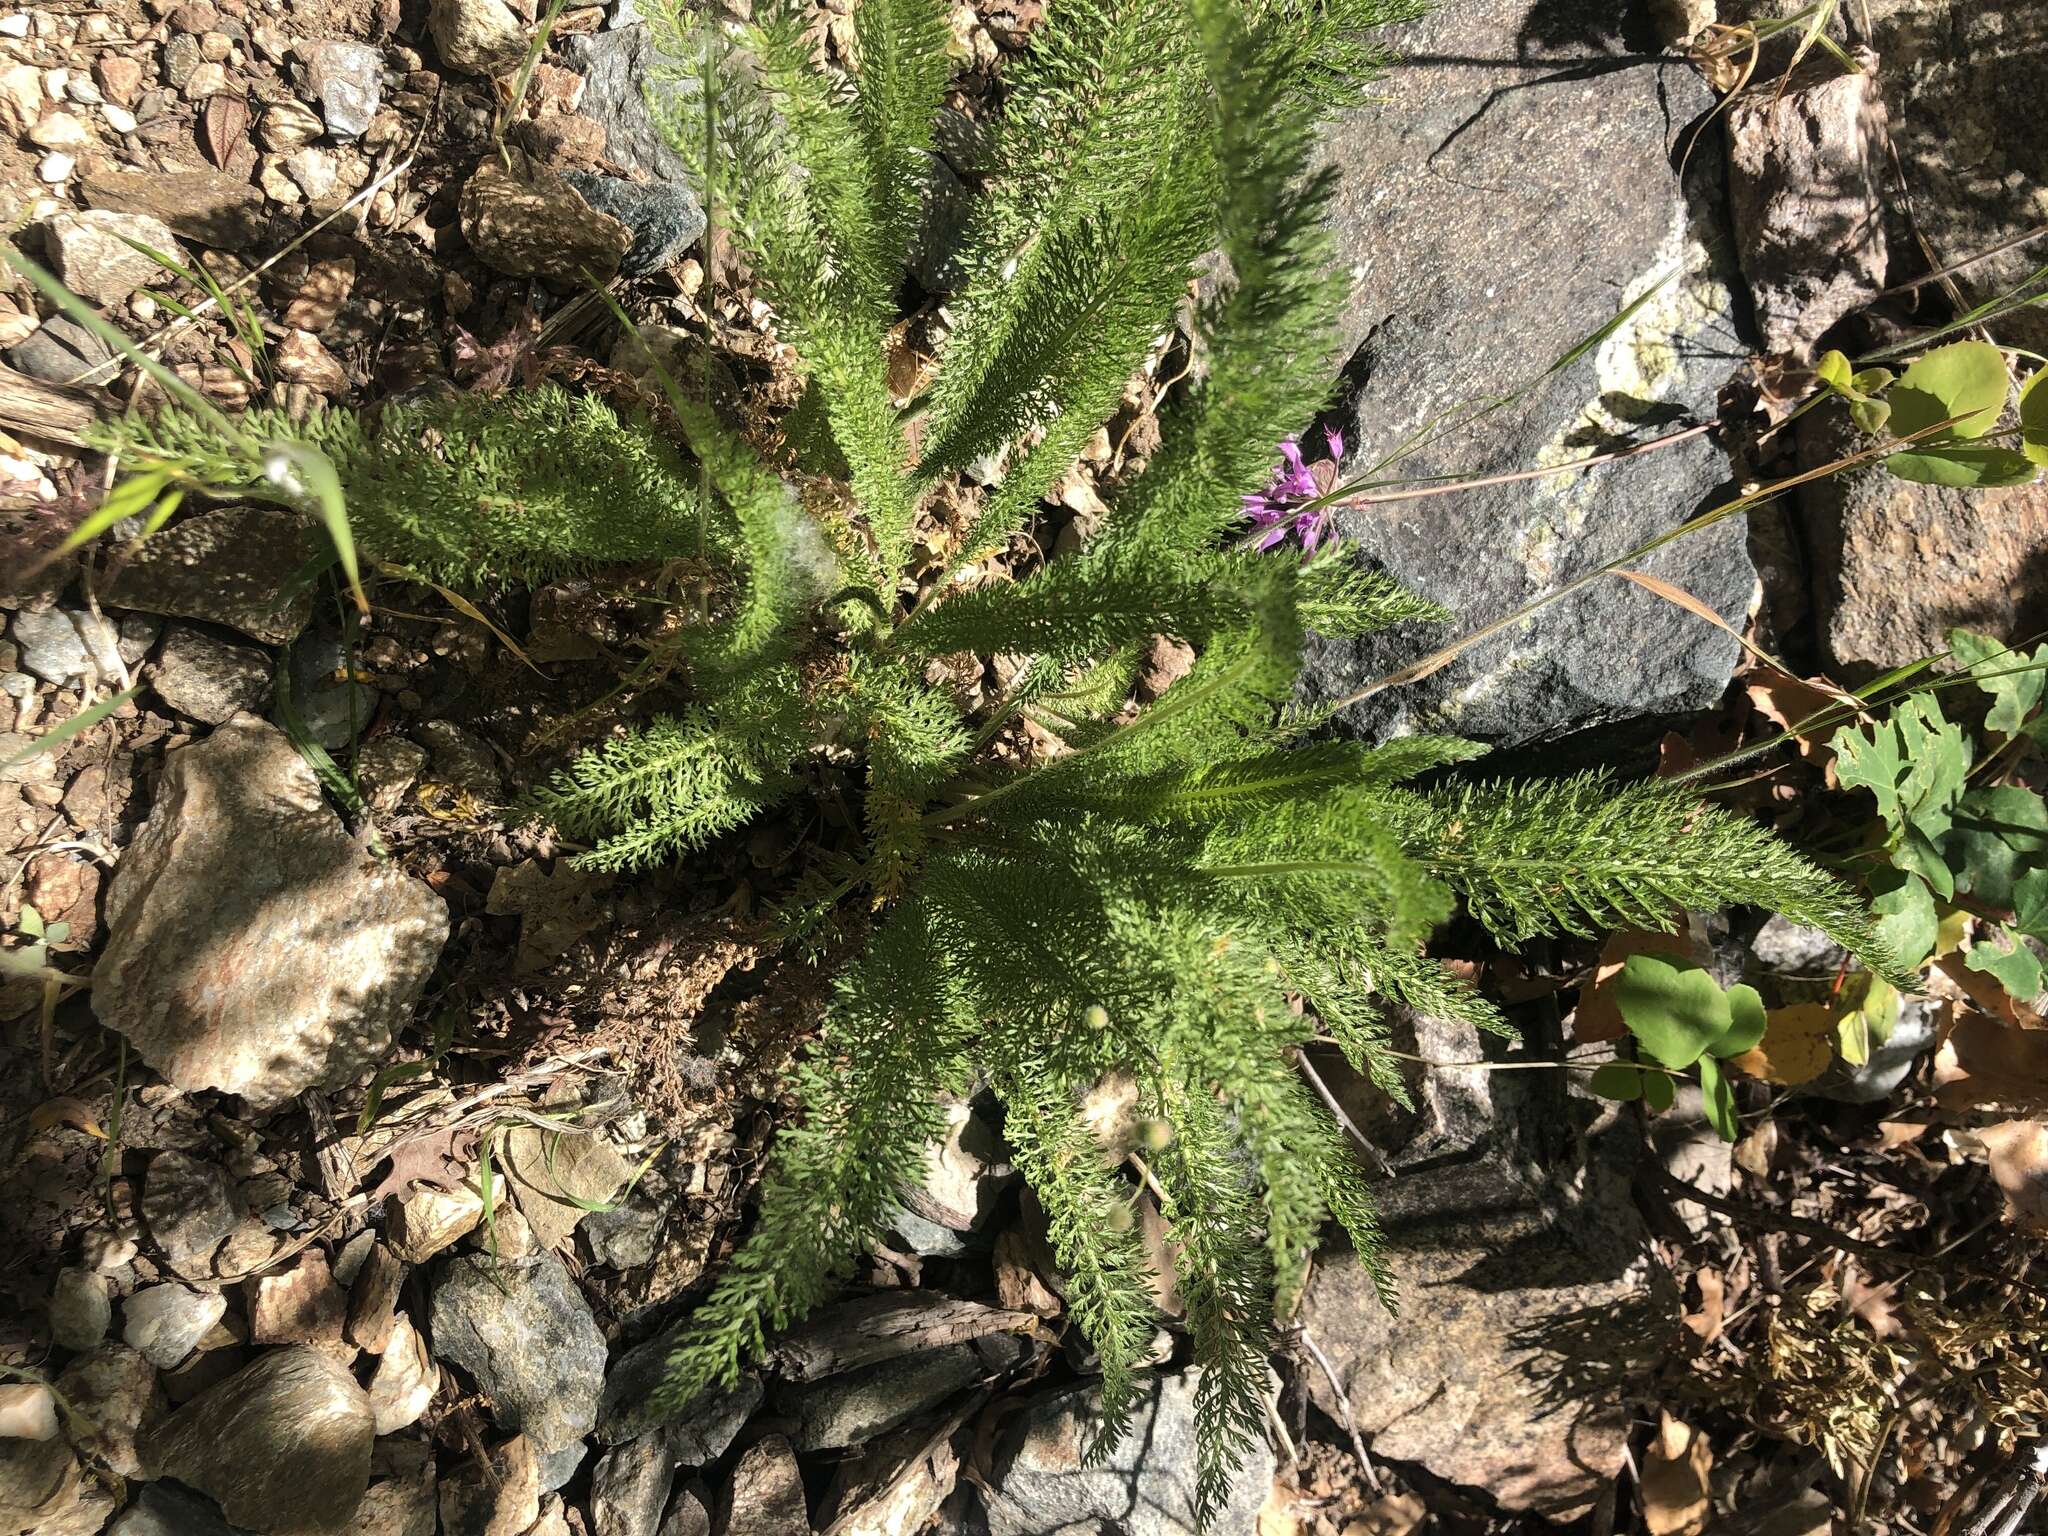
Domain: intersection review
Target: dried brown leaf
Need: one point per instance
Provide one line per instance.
(1984, 1060)
(225, 127)
(438, 1160)
(2018, 1150)
(1789, 702)
(1675, 1480)
(1706, 1322)
(65, 1111)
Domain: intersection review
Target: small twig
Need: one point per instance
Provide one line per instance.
(1283, 1441)
(1417, 493)
(1322, 1360)
(1372, 1154)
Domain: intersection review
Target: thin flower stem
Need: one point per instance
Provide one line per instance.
(1439, 659)
(1370, 498)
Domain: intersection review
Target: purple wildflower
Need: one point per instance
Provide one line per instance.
(1285, 508)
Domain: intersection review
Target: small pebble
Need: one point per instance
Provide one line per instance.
(13, 26)
(55, 169)
(59, 130)
(28, 1411)
(120, 119)
(209, 79)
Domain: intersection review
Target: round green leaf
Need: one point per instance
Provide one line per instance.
(1617, 1080)
(2034, 417)
(1833, 370)
(1658, 1091)
(1963, 466)
(1719, 1099)
(1906, 919)
(1746, 1023)
(1966, 380)
(1672, 1007)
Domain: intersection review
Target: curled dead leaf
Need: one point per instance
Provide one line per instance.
(1790, 703)
(1983, 1060)
(65, 1111)
(1707, 1321)
(1674, 1482)
(2018, 1151)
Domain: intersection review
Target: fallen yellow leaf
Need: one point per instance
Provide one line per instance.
(65, 1111)
(1797, 1046)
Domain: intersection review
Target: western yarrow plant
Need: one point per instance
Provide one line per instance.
(1152, 899)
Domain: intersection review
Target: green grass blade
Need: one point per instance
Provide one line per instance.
(84, 720)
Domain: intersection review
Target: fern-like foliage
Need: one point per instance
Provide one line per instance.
(1150, 904)
(537, 483)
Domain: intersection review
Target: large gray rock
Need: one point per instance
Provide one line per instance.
(282, 1445)
(1806, 174)
(524, 1332)
(1505, 1367)
(630, 1485)
(703, 1430)
(1967, 86)
(255, 948)
(227, 567)
(1145, 1487)
(1507, 197)
(1896, 565)
(616, 66)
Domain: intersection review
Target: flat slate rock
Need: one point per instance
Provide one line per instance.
(524, 1332)
(1507, 1366)
(1507, 196)
(254, 947)
(226, 567)
(1967, 86)
(1145, 1487)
